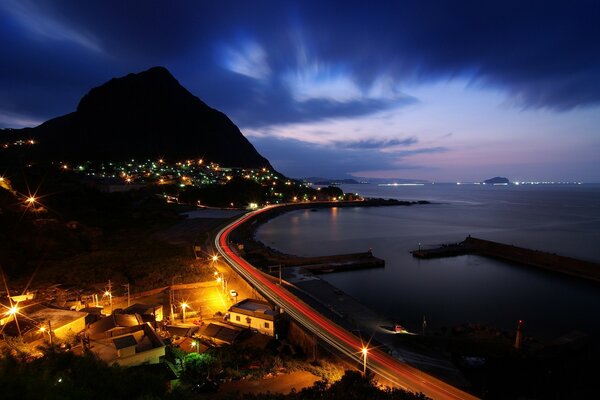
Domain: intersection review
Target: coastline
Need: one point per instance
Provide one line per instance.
(342, 308)
(468, 355)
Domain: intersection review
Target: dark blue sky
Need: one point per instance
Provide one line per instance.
(439, 90)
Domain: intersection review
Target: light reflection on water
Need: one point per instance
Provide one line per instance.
(563, 220)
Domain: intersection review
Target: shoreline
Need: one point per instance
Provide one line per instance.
(342, 308)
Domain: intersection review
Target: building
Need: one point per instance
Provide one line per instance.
(149, 312)
(42, 320)
(113, 325)
(137, 346)
(254, 314)
(65, 324)
(219, 334)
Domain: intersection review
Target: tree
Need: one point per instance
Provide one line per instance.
(197, 367)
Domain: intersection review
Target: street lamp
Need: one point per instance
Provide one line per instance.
(365, 351)
(13, 311)
(183, 307)
(196, 346)
(109, 294)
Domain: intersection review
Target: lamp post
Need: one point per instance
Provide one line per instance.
(365, 351)
(128, 295)
(14, 310)
(49, 330)
(109, 294)
(183, 307)
(213, 260)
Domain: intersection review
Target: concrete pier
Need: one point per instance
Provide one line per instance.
(535, 258)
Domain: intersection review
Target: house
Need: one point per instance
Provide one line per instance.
(64, 323)
(137, 345)
(149, 312)
(219, 333)
(41, 319)
(189, 345)
(254, 314)
(113, 325)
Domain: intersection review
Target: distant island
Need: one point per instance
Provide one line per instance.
(498, 180)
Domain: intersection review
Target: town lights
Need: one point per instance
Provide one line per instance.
(13, 310)
(215, 258)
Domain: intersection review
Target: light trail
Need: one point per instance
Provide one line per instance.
(337, 337)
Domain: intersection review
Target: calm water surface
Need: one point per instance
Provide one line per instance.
(449, 291)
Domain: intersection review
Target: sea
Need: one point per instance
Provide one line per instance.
(562, 219)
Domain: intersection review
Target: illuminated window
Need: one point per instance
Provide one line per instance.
(237, 317)
(266, 325)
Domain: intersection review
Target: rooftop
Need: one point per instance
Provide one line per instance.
(254, 306)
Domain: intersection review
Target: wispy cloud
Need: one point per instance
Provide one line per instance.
(10, 119)
(374, 144)
(247, 58)
(37, 21)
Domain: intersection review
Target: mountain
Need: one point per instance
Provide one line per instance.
(498, 180)
(143, 115)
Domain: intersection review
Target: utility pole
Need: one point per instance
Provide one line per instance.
(519, 335)
(172, 297)
(50, 333)
(109, 292)
(128, 295)
(279, 274)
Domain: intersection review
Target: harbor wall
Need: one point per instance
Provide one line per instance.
(506, 252)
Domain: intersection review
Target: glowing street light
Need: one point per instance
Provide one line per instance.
(365, 351)
(183, 307)
(13, 310)
(196, 345)
(215, 258)
(109, 295)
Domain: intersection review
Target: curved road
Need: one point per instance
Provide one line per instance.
(345, 342)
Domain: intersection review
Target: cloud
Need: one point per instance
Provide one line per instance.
(249, 59)
(37, 20)
(12, 120)
(378, 143)
(338, 159)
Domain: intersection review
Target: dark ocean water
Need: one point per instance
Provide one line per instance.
(562, 219)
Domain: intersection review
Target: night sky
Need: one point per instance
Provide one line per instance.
(438, 90)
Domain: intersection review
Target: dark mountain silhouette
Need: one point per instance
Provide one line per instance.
(143, 115)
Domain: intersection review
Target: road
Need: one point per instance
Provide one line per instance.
(335, 336)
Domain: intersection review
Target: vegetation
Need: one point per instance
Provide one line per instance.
(63, 375)
(351, 386)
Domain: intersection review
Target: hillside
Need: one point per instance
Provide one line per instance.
(143, 115)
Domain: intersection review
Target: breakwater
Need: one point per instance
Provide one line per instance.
(333, 263)
(505, 252)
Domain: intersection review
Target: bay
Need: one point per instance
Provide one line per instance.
(562, 219)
